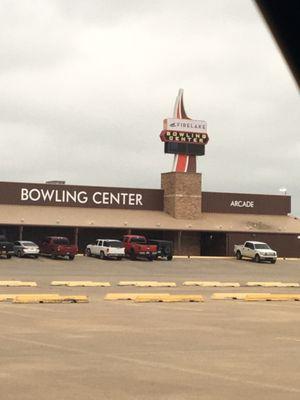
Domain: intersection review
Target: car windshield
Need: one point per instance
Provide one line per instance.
(114, 243)
(61, 241)
(28, 244)
(138, 240)
(262, 246)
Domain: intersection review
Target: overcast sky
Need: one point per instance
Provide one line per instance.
(85, 85)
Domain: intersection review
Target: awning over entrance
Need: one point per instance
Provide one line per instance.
(90, 217)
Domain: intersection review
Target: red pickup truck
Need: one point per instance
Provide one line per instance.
(58, 246)
(137, 246)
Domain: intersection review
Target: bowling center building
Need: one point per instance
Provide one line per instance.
(198, 223)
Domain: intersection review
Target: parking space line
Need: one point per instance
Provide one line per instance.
(215, 375)
(44, 344)
(29, 307)
(288, 338)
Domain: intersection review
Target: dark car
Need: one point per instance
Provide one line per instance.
(164, 248)
(6, 248)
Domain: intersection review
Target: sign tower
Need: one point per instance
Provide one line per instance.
(186, 139)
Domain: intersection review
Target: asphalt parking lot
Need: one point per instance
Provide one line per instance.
(123, 350)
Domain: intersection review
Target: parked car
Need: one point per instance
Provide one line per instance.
(106, 248)
(58, 246)
(137, 246)
(25, 248)
(164, 248)
(6, 248)
(257, 251)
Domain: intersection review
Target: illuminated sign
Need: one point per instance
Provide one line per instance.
(184, 137)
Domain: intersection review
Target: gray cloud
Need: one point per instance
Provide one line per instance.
(85, 85)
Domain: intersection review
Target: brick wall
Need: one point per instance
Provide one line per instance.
(182, 194)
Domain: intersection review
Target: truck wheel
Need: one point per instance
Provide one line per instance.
(170, 258)
(102, 256)
(257, 258)
(88, 252)
(71, 257)
(238, 255)
(132, 255)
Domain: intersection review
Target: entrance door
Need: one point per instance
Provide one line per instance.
(213, 244)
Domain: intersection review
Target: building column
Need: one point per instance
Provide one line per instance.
(179, 234)
(76, 236)
(21, 232)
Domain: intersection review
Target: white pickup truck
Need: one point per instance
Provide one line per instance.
(257, 251)
(106, 248)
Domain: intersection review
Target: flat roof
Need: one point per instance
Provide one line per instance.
(142, 219)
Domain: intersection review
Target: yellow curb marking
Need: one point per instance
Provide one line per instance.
(49, 299)
(130, 296)
(272, 297)
(169, 298)
(211, 284)
(273, 284)
(11, 297)
(17, 283)
(233, 296)
(80, 283)
(147, 284)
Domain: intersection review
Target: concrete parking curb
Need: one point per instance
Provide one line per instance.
(80, 283)
(17, 284)
(272, 297)
(129, 296)
(42, 298)
(172, 298)
(273, 284)
(147, 284)
(233, 296)
(211, 284)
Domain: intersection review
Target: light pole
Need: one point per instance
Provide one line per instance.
(283, 190)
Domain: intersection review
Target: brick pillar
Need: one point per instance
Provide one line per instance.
(182, 194)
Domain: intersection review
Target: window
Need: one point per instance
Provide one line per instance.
(114, 243)
(62, 240)
(138, 240)
(261, 246)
